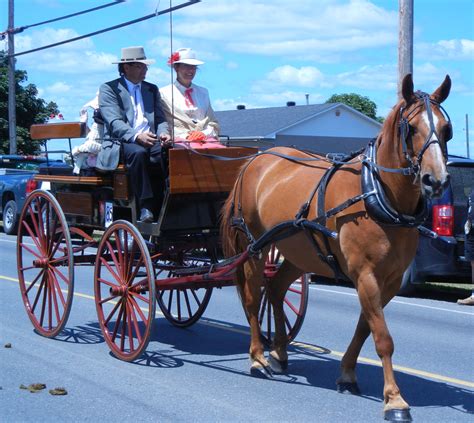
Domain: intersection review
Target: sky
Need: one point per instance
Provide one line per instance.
(257, 53)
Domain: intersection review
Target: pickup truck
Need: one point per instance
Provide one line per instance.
(16, 182)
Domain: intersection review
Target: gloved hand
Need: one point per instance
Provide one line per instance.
(196, 136)
(88, 147)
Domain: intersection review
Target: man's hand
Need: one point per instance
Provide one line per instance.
(147, 139)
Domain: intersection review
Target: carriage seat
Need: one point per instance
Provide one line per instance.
(63, 174)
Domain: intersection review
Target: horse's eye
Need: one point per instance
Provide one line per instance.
(412, 130)
(446, 132)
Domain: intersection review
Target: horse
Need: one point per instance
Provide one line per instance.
(373, 203)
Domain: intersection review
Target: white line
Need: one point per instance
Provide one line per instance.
(396, 301)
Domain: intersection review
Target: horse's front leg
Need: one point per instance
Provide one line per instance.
(372, 301)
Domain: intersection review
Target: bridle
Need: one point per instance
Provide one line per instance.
(406, 138)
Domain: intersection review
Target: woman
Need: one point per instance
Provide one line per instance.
(187, 106)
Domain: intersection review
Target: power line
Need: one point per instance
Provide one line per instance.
(22, 28)
(70, 40)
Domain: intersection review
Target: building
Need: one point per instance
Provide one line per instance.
(323, 128)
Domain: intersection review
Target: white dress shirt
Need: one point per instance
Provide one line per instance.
(140, 122)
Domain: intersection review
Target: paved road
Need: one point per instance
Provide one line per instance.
(200, 374)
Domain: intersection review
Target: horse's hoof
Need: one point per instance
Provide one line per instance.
(278, 366)
(260, 371)
(349, 387)
(398, 415)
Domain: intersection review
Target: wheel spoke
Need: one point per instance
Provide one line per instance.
(138, 309)
(55, 285)
(116, 306)
(117, 322)
(38, 294)
(32, 284)
(291, 306)
(111, 270)
(188, 305)
(53, 289)
(31, 251)
(129, 325)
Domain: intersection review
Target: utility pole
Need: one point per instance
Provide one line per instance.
(405, 41)
(11, 79)
(467, 136)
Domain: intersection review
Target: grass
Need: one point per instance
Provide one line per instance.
(445, 291)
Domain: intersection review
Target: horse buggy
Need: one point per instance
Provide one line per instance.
(174, 263)
(262, 221)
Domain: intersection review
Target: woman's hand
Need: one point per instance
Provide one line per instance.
(196, 136)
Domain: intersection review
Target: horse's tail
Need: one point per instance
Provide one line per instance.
(228, 232)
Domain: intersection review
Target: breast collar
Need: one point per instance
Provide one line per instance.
(376, 202)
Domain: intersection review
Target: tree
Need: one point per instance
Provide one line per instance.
(358, 102)
(30, 109)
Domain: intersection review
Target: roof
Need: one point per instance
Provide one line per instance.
(264, 122)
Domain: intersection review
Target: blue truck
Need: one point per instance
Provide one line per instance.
(16, 182)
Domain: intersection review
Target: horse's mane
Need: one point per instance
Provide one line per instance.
(390, 126)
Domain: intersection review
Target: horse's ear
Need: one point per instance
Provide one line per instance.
(442, 91)
(407, 88)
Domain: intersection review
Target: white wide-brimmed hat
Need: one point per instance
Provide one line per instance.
(134, 54)
(184, 55)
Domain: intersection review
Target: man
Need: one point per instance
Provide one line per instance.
(131, 110)
(469, 245)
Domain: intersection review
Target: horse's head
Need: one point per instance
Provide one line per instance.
(425, 129)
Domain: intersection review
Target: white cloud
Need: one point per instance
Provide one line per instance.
(380, 77)
(462, 49)
(299, 29)
(305, 76)
(57, 89)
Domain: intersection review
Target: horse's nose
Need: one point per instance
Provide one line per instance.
(435, 186)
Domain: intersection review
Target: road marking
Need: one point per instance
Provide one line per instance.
(310, 347)
(394, 301)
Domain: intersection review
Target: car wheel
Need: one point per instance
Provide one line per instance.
(10, 218)
(408, 286)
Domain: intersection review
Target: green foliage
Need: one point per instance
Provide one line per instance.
(29, 110)
(358, 102)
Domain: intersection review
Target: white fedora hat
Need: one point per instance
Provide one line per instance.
(134, 54)
(184, 55)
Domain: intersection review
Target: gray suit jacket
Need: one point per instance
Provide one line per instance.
(117, 111)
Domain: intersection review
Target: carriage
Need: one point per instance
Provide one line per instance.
(358, 216)
(175, 262)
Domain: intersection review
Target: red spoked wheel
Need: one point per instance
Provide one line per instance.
(124, 287)
(183, 307)
(45, 263)
(294, 306)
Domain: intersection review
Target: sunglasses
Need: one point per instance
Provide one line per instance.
(137, 65)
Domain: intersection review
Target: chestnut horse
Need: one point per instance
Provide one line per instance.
(375, 232)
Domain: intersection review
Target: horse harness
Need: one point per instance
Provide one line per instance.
(375, 200)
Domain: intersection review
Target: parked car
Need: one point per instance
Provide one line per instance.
(442, 258)
(16, 182)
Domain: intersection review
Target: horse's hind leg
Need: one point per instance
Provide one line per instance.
(347, 381)
(250, 283)
(277, 288)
